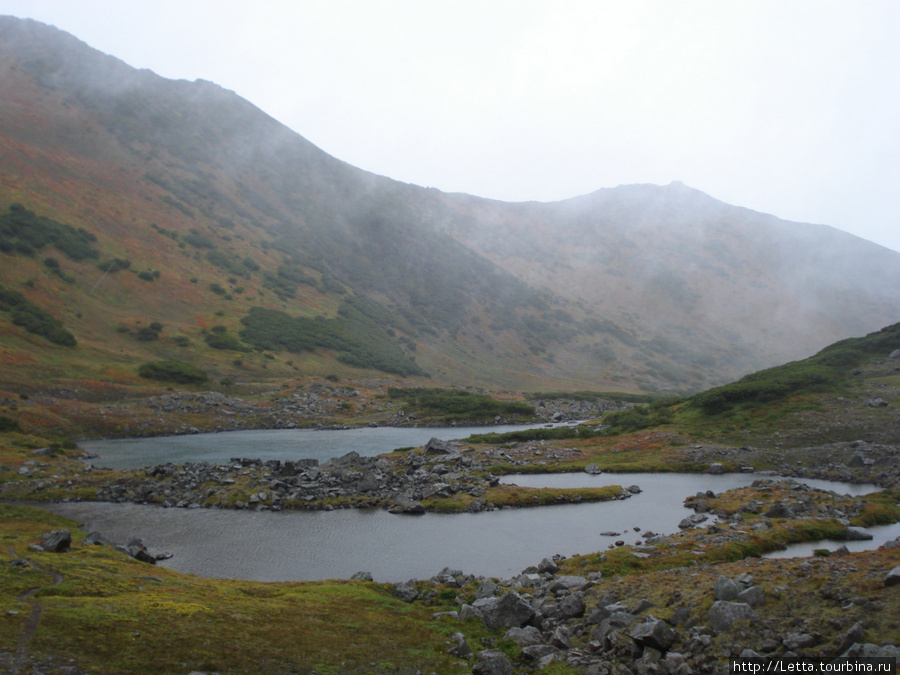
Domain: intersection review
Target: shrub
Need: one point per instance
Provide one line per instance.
(458, 404)
(146, 276)
(172, 371)
(22, 312)
(8, 424)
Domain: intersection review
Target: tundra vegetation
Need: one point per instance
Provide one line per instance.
(366, 626)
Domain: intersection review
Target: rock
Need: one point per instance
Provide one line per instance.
(538, 653)
(492, 662)
(795, 641)
(780, 510)
(592, 469)
(58, 541)
(692, 520)
(726, 589)
(547, 565)
(570, 607)
(362, 576)
(655, 634)
(893, 577)
(569, 583)
(436, 446)
(855, 634)
(723, 614)
(715, 468)
(404, 592)
(877, 403)
(509, 611)
(856, 534)
(529, 635)
(461, 648)
(487, 589)
(753, 596)
(406, 505)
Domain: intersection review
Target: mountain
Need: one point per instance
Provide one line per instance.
(158, 220)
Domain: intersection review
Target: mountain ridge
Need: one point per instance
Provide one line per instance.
(636, 287)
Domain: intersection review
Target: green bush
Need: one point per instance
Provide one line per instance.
(459, 404)
(8, 424)
(22, 312)
(172, 371)
(25, 232)
(357, 335)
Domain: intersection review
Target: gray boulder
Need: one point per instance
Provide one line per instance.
(856, 534)
(461, 648)
(509, 611)
(406, 505)
(436, 446)
(524, 637)
(753, 596)
(492, 662)
(58, 541)
(893, 577)
(726, 589)
(723, 614)
(655, 634)
(404, 592)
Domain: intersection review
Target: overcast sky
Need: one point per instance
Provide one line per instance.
(790, 107)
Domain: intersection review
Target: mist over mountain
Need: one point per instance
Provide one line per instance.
(262, 256)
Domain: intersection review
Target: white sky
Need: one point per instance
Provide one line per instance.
(790, 107)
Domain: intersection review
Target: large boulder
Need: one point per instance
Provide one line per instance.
(893, 577)
(726, 589)
(406, 505)
(507, 612)
(492, 662)
(436, 446)
(58, 541)
(655, 634)
(723, 614)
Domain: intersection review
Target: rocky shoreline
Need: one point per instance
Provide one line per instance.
(399, 484)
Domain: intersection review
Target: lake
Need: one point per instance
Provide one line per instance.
(313, 545)
(282, 444)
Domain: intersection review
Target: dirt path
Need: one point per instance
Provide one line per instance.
(20, 657)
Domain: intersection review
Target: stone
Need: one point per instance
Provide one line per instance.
(436, 446)
(715, 468)
(854, 634)
(509, 611)
(487, 589)
(492, 662)
(404, 592)
(893, 577)
(571, 607)
(58, 541)
(857, 534)
(561, 637)
(723, 614)
(547, 565)
(796, 641)
(592, 469)
(461, 648)
(753, 596)
(362, 576)
(655, 634)
(726, 589)
(524, 637)
(406, 505)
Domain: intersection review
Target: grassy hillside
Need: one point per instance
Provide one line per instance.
(181, 204)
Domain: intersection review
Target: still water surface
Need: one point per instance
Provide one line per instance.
(282, 444)
(312, 545)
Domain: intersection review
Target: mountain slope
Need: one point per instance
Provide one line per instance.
(235, 226)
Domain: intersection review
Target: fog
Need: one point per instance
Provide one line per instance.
(787, 109)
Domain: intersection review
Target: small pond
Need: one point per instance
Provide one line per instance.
(312, 545)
